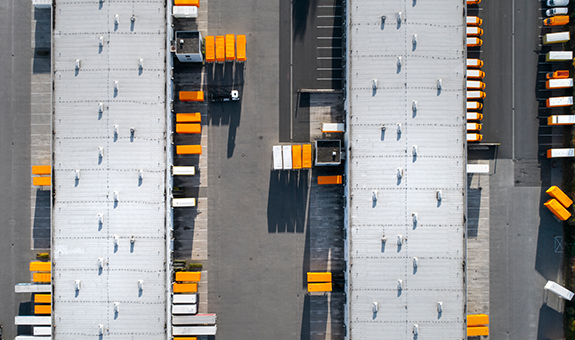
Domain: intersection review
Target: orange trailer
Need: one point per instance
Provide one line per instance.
(185, 287)
(230, 47)
(41, 169)
(306, 156)
(42, 181)
(189, 149)
(188, 128)
(220, 49)
(322, 180)
(43, 309)
(192, 96)
(187, 3)
(195, 117)
(188, 276)
(478, 331)
(38, 266)
(210, 49)
(318, 277)
(43, 298)
(296, 156)
(477, 320)
(319, 287)
(41, 277)
(241, 47)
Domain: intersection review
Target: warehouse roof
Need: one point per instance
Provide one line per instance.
(407, 139)
(108, 231)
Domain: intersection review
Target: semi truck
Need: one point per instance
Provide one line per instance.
(561, 120)
(559, 101)
(565, 83)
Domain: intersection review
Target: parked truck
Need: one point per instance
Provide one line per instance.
(559, 56)
(474, 127)
(555, 38)
(474, 21)
(561, 120)
(559, 74)
(474, 106)
(559, 101)
(558, 20)
(553, 84)
(475, 74)
(474, 137)
(475, 85)
(475, 94)
(473, 31)
(474, 63)
(474, 116)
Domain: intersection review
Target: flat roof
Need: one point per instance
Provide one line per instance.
(109, 182)
(187, 42)
(406, 57)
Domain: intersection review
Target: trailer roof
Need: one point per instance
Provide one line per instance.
(102, 208)
(416, 47)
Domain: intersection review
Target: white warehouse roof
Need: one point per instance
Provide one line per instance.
(109, 182)
(416, 60)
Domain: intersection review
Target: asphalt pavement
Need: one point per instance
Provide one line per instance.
(15, 167)
(523, 234)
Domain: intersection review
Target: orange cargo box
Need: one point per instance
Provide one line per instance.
(210, 49)
(188, 128)
(42, 181)
(559, 74)
(43, 298)
(478, 331)
(38, 266)
(220, 48)
(318, 277)
(230, 47)
(319, 287)
(188, 276)
(321, 180)
(557, 209)
(43, 309)
(41, 277)
(189, 149)
(306, 156)
(560, 196)
(477, 320)
(185, 287)
(296, 156)
(195, 117)
(41, 169)
(187, 3)
(241, 48)
(192, 96)
(185, 338)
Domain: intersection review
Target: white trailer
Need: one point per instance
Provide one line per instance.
(277, 155)
(561, 120)
(561, 153)
(477, 168)
(199, 319)
(332, 127)
(32, 288)
(194, 330)
(189, 12)
(559, 56)
(31, 320)
(554, 38)
(183, 170)
(559, 83)
(559, 290)
(184, 309)
(183, 202)
(560, 101)
(43, 330)
(287, 157)
(185, 298)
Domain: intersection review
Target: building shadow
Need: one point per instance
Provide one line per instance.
(550, 325)
(287, 201)
(41, 222)
(41, 60)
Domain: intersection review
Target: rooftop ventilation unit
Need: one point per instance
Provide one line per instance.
(374, 195)
(414, 150)
(77, 174)
(414, 39)
(117, 19)
(398, 128)
(78, 64)
(415, 216)
(439, 307)
(101, 41)
(374, 84)
(77, 285)
(399, 17)
(375, 307)
(415, 329)
(414, 105)
(415, 262)
(438, 195)
(398, 61)
(140, 284)
(399, 284)
(100, 262)
(399, 240)
(439, 83)
(399, 172)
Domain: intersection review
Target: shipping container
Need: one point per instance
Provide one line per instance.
(188, 128)
(187, 3)
(220, 48)
(42, 331)
(191, 96)
(189, 149)
(230, 47)
(185, 12)
(321, 180)
(560, 196)
(41, 277)
(332, 127)
(183, 170)
(306, 156)
(557, 209)
(478, 331)
(41, 170)
(42, 309)
(42, 298)
(185, 287)
(195, 117)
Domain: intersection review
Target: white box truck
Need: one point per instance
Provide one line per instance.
(561, 153)
(559, 101)
(554, 38)
(475, 74)
(552, 84)
(561, 120)
(559, 290)
(559, 56)
(474, 106)
(475, 85)
(474, 116)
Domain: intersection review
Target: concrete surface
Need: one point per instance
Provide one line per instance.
(15, 170)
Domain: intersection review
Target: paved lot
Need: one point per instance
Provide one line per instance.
(15, 69)
(522, 232)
